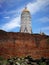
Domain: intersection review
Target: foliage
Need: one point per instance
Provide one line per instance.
(1, 58)
(42, 63)
(28, 60)
(48, 41)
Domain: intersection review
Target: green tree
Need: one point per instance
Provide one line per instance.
(42, 63)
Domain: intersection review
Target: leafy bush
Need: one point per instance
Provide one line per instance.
(23, 61)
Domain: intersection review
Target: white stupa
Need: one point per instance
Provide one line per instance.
(26, 21)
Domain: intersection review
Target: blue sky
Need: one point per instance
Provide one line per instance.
(10, 15)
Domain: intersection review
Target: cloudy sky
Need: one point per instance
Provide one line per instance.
(10, 15)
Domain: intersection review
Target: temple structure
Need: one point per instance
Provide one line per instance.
(26, 21)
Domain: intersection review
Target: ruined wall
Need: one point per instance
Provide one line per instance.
(21, 44)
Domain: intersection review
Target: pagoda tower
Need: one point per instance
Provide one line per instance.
(26, 21)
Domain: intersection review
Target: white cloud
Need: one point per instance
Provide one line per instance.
(0, 5)
(37, 6)
(42, 29)
(33, 7)
(12, 24)
(7, 17)
(45, 28)
(43, 20)
(15, 12)
(1, 1)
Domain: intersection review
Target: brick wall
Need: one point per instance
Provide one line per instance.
(21, 44)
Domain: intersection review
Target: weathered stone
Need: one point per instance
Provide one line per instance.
(23, 44)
